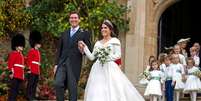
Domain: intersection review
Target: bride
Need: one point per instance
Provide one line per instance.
(106, 81)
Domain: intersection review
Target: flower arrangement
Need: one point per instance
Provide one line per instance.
(145, 74)
(197, 73)
(102, 54)
(144, 77)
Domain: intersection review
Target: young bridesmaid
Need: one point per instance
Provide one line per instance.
(193, 84)
(193, 52)
(179, 75)
(144, 79)
(151, 58)
(161, 59)
(153, 89)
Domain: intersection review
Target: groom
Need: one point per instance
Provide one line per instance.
(69, 59)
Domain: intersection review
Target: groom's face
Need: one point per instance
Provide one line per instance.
(74, 20)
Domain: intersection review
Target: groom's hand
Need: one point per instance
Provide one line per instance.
(81, 49)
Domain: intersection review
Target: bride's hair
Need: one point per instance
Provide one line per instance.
(111, 26)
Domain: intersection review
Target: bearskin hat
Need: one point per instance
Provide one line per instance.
(17, 40)
(34, 38)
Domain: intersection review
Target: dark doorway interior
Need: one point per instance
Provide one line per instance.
(181, 20)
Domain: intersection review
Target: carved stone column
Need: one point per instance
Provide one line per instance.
(134, 52)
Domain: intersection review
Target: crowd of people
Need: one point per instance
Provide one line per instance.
(174, 73)
(106, 80)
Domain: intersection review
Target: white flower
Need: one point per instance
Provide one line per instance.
(102, 54)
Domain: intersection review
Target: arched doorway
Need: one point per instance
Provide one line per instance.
(180, 20)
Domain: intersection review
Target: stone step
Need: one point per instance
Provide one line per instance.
(188, 99)
(185, 99)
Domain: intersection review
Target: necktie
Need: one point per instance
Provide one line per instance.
(72, 32)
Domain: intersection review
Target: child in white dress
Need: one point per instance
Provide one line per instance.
(151, 58)
(193, 53)
(161, 59)
(143, 80)
(193, 84)
(153, 89)
(162, 66)
(179, 75)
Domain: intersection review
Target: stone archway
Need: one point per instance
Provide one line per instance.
(179, 21)
(159, 10)
(154, 10)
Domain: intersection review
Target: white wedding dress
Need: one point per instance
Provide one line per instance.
(107, 82)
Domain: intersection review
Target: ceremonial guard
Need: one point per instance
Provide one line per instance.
(33, 62)
(16, 65)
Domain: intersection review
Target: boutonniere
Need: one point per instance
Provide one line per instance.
(81, 30)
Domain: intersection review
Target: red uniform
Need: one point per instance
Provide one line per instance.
(33, 61)
(16, 64)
